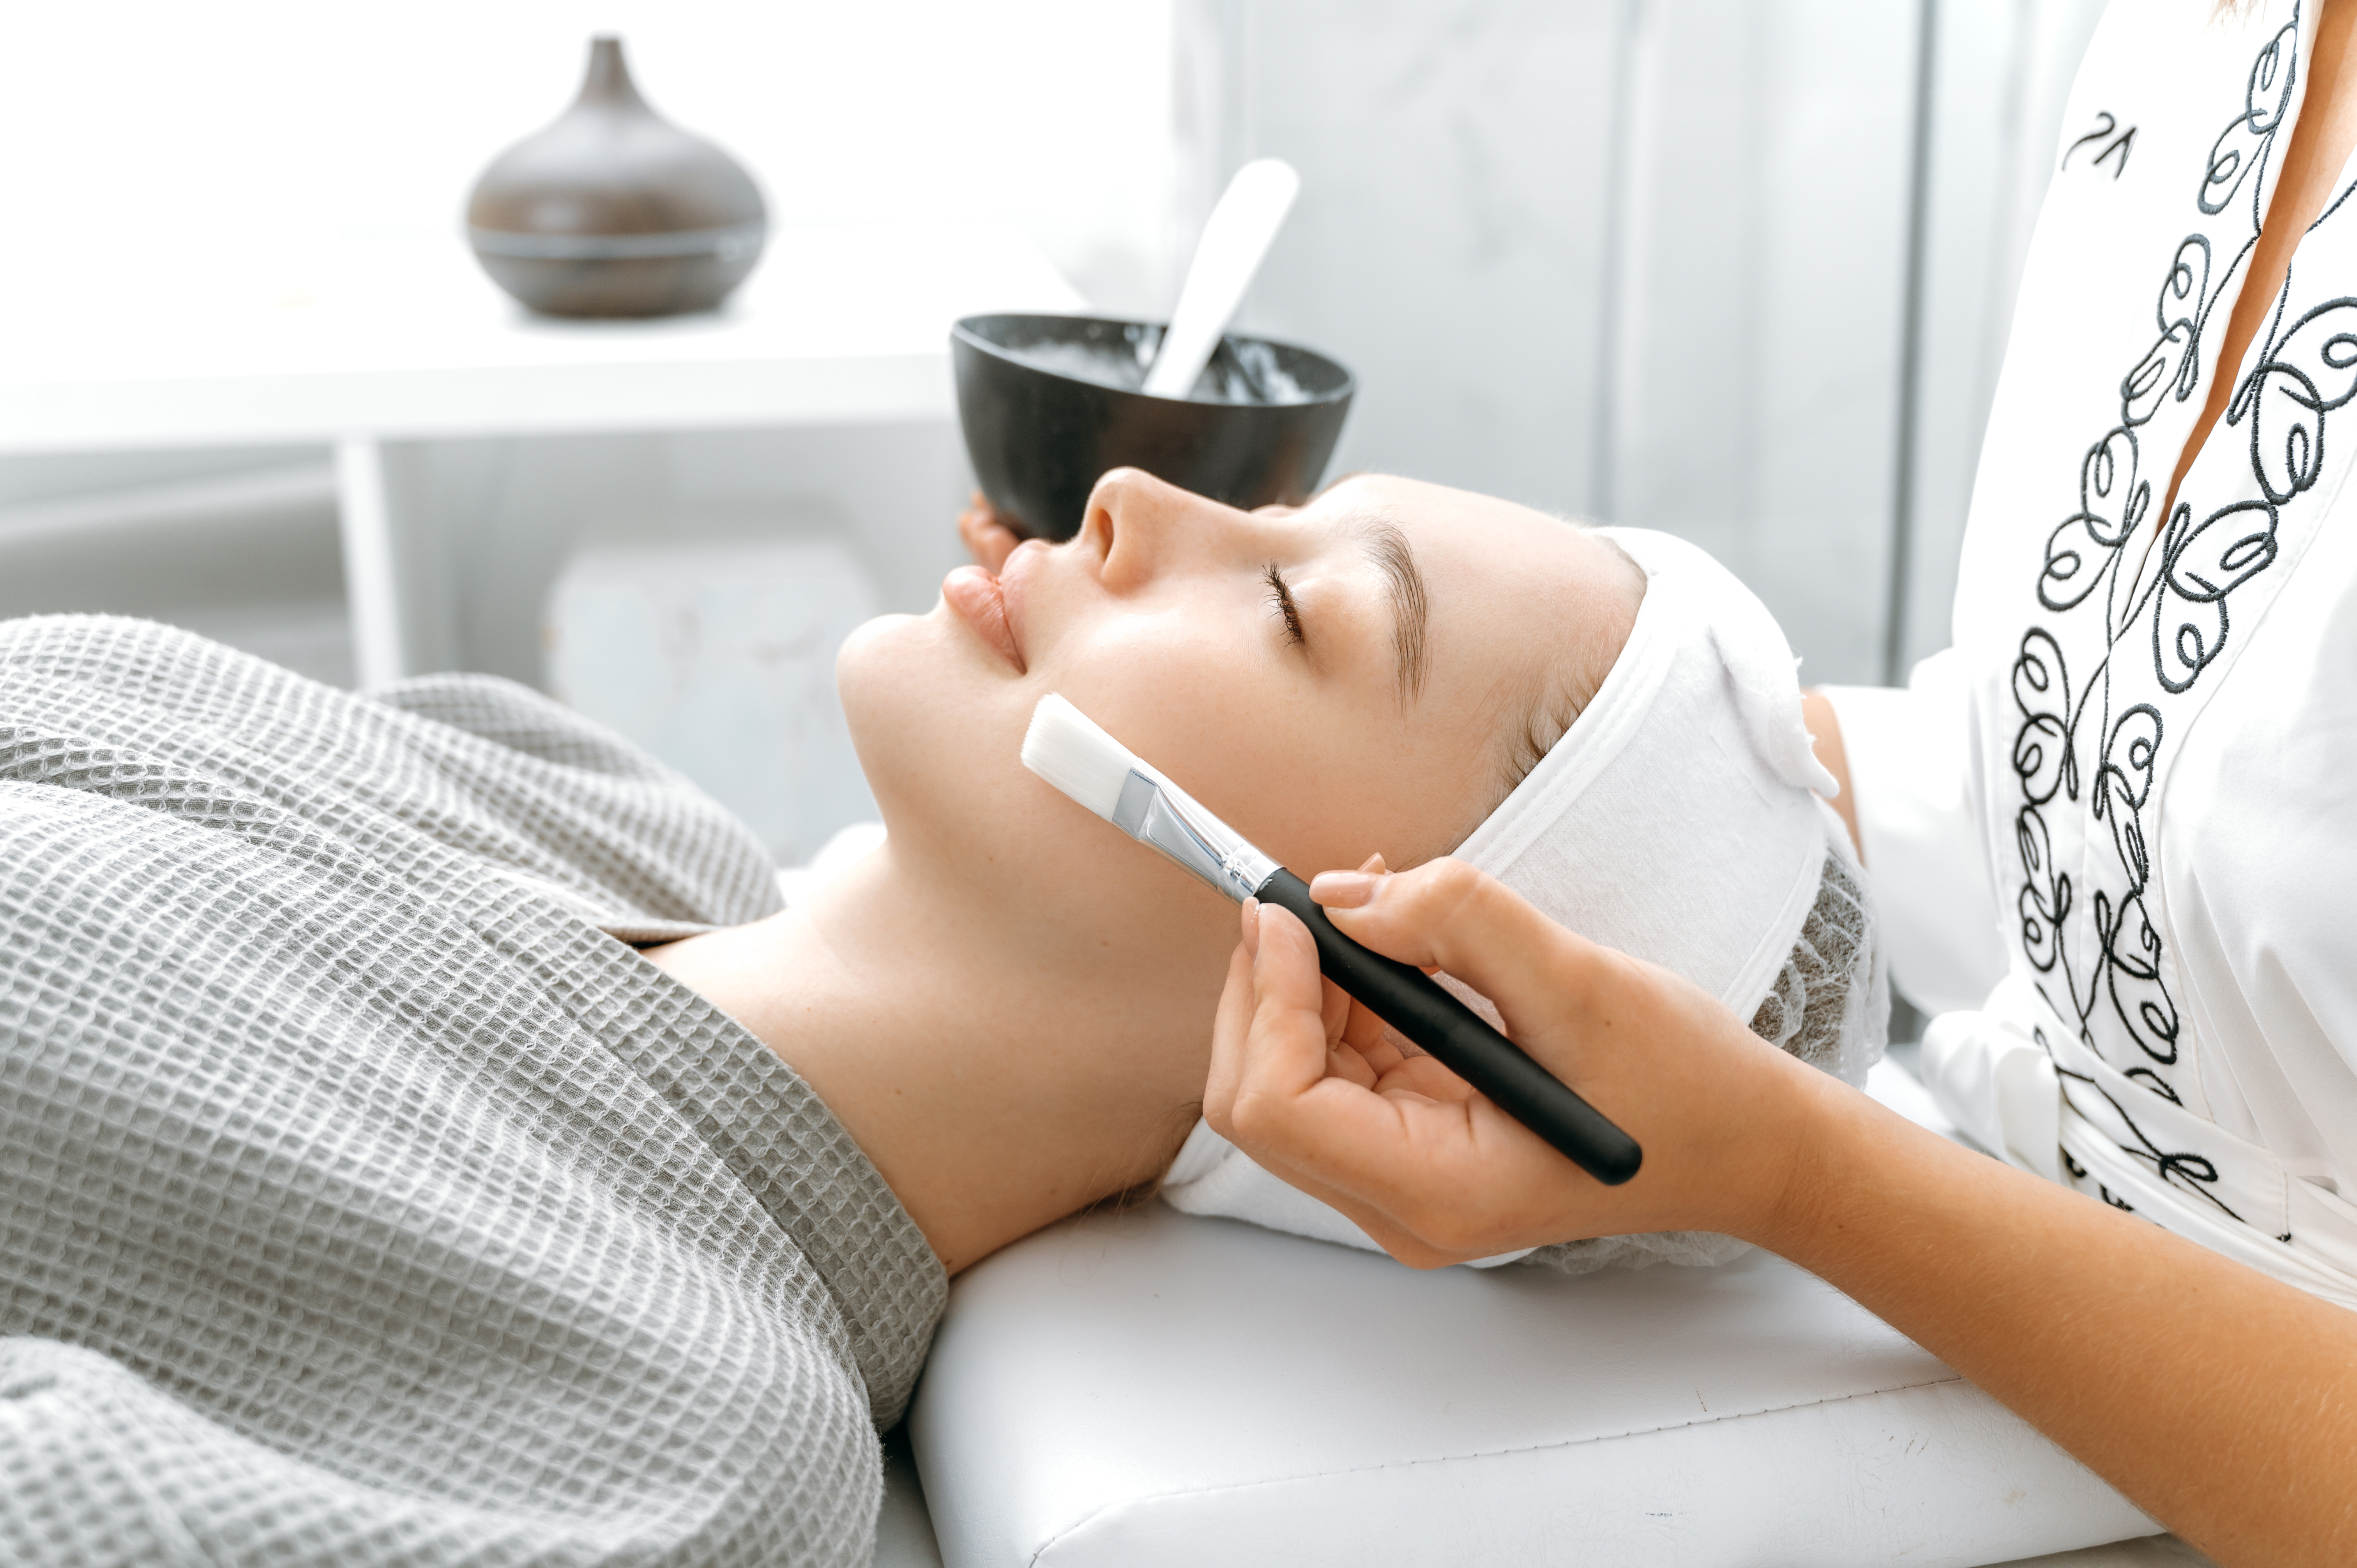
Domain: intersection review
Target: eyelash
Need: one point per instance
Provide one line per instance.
(1280, 598)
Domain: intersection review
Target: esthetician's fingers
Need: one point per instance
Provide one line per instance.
(1270, 1086)
(1445, 915)
(1236, 1010)
(1380, 1044)
(1335, 1014)
(1368, 1034)
(1716, 1109)
(1271, 1026)
(1268, 1075)
(1423, 1075)
(1351, 1031)
(989, 541)
(1229, 1025)
(1343, 1062)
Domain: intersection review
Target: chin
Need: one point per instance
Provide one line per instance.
(887, 674)
(937, 737)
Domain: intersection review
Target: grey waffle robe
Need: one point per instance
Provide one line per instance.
(361, 1199)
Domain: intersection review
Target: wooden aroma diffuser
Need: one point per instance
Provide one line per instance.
(614, 210)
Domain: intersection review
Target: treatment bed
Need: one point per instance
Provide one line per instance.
(1151, 1388)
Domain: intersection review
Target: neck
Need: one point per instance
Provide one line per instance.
(1000, 1072)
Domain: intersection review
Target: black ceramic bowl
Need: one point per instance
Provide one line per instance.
(1039, 438)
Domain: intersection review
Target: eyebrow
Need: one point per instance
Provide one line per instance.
(1386, 545)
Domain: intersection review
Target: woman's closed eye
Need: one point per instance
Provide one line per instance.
(1280, 599)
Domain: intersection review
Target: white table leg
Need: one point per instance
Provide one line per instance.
(372, 576)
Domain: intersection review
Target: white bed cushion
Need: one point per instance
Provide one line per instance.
(1161, 1389)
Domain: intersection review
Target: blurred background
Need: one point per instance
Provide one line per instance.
(1738, 269)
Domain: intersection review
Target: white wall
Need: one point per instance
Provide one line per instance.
(2005, 67)
(1452, 240)
(1644, 259)
(1648, 260)
(238, 151)
(158, 139)
(1756, 367)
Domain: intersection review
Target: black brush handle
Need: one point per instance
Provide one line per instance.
(1415, 1004)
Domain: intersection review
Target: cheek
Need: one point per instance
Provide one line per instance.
(1258, 740)
(1188, 694)
(941, 741)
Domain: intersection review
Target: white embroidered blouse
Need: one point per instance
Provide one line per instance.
(2114, 827)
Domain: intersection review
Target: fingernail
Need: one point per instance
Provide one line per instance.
(1344, 889)
(1252, 927)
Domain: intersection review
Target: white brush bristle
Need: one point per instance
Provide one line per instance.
(1067, 750)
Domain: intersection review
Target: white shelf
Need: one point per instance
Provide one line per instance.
(407, 339)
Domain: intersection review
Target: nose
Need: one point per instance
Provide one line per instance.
(1141, 528)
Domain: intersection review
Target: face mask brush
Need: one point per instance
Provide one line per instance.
(1067, 750)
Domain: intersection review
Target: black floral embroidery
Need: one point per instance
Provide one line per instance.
(2072, 744)
(2181, 1168)
(2242, 148)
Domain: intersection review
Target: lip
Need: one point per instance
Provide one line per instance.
(1014, 595)
(979, 599)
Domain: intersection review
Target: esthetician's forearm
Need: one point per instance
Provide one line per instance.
(2222, 1402)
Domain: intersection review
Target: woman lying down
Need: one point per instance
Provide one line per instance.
(363, 1199)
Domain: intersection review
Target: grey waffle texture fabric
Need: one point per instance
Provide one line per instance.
(362, 1200)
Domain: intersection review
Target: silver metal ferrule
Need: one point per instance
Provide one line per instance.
(1155, 811)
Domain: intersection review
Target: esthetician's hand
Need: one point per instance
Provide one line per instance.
(989, 541)
(1310, 1084)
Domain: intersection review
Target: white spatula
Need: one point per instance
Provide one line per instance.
(1250, 213)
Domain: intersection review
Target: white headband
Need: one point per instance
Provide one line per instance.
(1674, 821)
